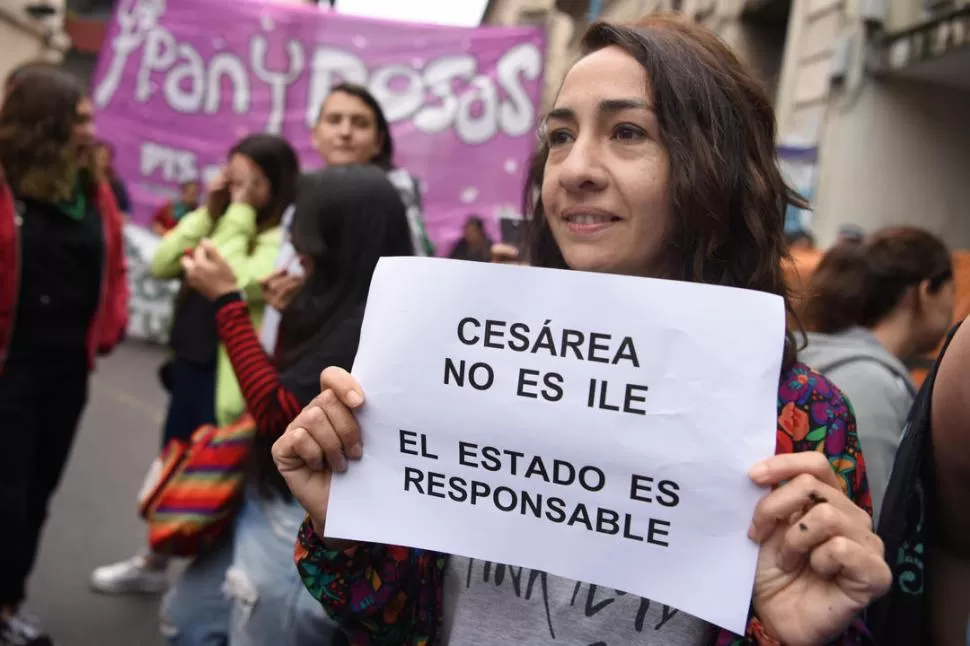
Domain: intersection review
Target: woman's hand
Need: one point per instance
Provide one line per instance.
(217, 194)
(820, 564)
(207, 272)
(319, 441)
(279, 288)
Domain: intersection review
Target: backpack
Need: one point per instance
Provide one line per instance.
(907, 526)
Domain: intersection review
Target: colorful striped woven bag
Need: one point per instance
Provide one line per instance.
(191, 497)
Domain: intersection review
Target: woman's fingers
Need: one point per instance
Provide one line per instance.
(188, 265)
(786, 466)
(344, 386)
(798, 496)
(818, 526)
(296, 449)
(209, 252)
(325, 432)
(863, 574)
(314, 419)
(343, 423)
(270, 281)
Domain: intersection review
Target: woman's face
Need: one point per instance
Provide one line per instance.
(346, 132)
(242, 170)
(102, 157)
(605, 189)
(83, 135)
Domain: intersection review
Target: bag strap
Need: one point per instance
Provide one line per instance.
(907, 520)
(857, 358)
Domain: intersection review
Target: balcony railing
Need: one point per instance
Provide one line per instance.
(931, 40)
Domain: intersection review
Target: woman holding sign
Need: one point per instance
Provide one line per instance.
(657, 161)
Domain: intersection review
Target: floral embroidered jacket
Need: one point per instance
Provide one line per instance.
(391, 596)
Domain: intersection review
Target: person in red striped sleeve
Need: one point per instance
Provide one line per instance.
(345, 219)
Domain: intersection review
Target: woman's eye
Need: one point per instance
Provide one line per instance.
(559, 136)
(627, 132)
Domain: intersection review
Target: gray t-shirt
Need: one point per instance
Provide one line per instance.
(487, 604)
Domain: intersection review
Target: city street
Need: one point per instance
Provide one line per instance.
(93, 517)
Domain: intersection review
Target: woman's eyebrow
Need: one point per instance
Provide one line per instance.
(618, 105)
(606, 105)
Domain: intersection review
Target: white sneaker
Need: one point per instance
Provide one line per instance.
(132, 576)
(23, 629)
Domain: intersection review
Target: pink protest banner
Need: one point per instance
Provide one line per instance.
(179, 81)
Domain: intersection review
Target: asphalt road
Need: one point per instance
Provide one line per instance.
(93, 519)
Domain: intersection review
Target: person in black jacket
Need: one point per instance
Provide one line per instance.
(474, 243)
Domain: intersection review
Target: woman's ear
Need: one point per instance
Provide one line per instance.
(922, 293)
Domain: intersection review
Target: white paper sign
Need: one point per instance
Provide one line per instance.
(595, 427)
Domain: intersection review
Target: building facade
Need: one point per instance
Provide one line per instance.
(894, 146)
(30, 30)
(871, 96)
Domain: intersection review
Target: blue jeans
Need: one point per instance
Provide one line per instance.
(248, 593)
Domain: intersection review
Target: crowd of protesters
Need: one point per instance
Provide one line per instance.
(657, 160)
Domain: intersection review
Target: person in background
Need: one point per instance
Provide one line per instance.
(346, 218)
(474, 243)
(63, 301)
(352, 129)
(872, 306)
(167, 216)
(104, 159)
(241, 220)
(657, 161)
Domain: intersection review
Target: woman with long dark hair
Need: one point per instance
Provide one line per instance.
(63, 300)
(872, 306)
(241, 219)
(657, 160)
(345, 219)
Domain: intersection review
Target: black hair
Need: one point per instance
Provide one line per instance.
(385, 156)
(346, 219)
(277, 160)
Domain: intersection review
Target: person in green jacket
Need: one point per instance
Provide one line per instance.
(241, 219)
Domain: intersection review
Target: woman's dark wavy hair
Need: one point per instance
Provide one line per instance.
(858, 283)
(37, 122)
(276, 158)
(727, 194)
(385, 156)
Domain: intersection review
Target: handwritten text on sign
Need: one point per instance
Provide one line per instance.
(602, 438)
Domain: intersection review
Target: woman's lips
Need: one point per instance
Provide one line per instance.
(588, 223)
